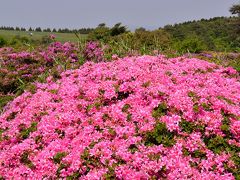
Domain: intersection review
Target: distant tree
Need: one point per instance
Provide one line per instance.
(17, 29)
(23, 29)
(140, 29)
(85, 30)
(101, 32)
(235, 9)
(102, 25)
(49, 30)
(38, 29)
(118, 29)
(30, 29)
(54, 30)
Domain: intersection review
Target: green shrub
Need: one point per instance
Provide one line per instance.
(3, 42)
(192, 44)
(100, 33)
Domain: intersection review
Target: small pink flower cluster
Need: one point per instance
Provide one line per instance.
(57, 50)
(52, 36)
(93, 52)
(102, 120)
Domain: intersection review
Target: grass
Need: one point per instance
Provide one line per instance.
(62, 37)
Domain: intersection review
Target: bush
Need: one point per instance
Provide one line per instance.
(18, 41)
(158, 39)
(3, 42)
(191, 44)
(99, 33)
(146, 117)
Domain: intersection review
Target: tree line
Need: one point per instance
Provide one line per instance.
(39, 29)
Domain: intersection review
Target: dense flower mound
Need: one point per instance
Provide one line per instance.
(143, 117)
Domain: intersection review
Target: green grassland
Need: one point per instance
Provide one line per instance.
(62, 37)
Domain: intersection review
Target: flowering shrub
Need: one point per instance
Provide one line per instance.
(93, 52)
(145, 117)
(59, 51)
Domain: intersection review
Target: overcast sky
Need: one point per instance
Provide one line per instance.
(150, 14)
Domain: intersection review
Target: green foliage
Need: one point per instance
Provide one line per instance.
(104, 33)
(74, 176)
(226, 99)
(160, 135)
(25, 132)
(110, 174)
(1, 131)
(235, 9)
(152, 40)
(3, 42)
(199, 154)
(225, 127)
(58, 157)
(196, 108)
(217, 34)
(160, 111)
(61, 167)
(190, 127)
(99, 33)
(186, 126)
(18, 41)
(146, 84)
(89, 161)
(132, 148)
(218, 144)
(4, 100)
(14, 38)
(206, 107)
(195, 154)
(125, 108)
(26, 161)
(46, 40)
(118, 29)
(192, 44)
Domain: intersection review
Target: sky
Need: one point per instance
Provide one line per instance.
(150, 14)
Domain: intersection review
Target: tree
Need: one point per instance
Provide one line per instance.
(102, 25)
(118, 29)
(235, 9)
(38, 29)
(140, 29)
(101, 32)
(48, 30)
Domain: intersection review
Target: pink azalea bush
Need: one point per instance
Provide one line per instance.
(145, 117)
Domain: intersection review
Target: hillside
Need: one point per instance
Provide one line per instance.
(216, 33)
